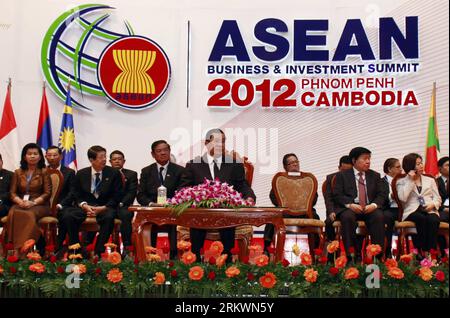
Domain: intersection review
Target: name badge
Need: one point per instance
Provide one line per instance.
(421, 201)
(26, 197)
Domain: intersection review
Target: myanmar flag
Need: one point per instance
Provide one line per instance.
(431, 159)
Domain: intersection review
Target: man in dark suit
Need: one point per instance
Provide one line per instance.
(129, 184)
(98, 191)
(391, 168)
(162, 172)
(66, 196)
(358, 195)
(5, 182)
(290, 164)
(214, 164)
(345, 163)
(442, 182)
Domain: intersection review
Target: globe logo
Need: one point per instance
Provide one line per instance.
(78, 46)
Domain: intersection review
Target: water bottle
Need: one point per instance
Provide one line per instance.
(162, 195)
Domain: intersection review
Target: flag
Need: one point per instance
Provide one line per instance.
(432, 149)
(44, 132)
(9, 141)
(67, 135)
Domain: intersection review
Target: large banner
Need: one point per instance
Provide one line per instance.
(315, 78)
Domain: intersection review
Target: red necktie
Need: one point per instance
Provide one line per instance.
(123, 178)
(362, 191)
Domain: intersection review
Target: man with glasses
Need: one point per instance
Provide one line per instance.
(162, 172)
(98, 191)
(290, 164)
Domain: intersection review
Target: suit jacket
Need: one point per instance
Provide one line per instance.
(149, 182)
(328, 195)
(409, 195)
(345, 191)
(67, 196)
(110, 187)
(40, 185)
(5, 184)
(230, 172)
(130, 189)
(443, 191)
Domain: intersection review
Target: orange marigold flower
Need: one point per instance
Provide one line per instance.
(1, 270)
(406, 258)
(79, 269)
(426, 273)
(111, 245)
(232, 271)
(159, 278)
(114, 258)
(340, 262)
(74, 246)
(216, 248)
(310, 275)
(196, 273)
(188, 258)
(151, 249)
(153, 258)
(268, 280)
(255, 248)
(333, 247)
(34, 256)
(37, 268)
(115, 275)
(351, 273)
(390, 262)
(306, 259)
(27, 245)
(184, 245)
(261, 260)
(75, 256)
(396, 273)
(220, 261)
(373, 249)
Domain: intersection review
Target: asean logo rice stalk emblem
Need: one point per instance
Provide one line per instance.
(102, 57)
(134, 72)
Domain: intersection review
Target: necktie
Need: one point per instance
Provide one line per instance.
(97, 184)
(216, 170)
(122, 175)
(362, 191)
(161, 178)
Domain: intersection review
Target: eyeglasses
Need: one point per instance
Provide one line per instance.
(292, 163)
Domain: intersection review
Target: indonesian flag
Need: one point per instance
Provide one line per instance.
(432, 149)
(9, 141)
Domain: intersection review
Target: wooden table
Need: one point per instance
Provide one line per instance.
(203, 218)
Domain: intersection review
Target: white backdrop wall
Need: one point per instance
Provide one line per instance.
(319, 136)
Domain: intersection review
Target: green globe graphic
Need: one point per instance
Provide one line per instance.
(65, 57)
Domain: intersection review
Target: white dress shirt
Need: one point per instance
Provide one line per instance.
(211, 164)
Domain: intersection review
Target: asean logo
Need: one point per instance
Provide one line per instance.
(134, 72)
(100, 56)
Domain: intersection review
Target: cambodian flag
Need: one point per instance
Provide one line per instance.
(44, 132)
(66, 140)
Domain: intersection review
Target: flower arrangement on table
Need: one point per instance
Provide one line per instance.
(209, 194)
